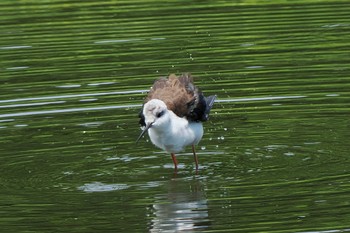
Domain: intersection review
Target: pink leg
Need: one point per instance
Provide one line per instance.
(195, 157)
(174, 160)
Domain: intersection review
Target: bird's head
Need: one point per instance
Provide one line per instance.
(156, 115)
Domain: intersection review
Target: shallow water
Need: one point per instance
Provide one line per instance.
(275, 154)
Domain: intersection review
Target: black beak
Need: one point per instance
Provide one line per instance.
(144, 131)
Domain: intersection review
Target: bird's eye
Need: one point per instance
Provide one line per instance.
(160, 114)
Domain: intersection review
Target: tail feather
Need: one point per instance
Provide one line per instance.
(209, 104)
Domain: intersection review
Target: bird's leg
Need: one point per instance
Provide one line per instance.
(174, 160)
(195, 157)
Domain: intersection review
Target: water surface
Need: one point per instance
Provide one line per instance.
(274, 157)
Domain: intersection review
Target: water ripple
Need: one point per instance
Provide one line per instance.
(101, 187)
(55, 111)
(74, 96)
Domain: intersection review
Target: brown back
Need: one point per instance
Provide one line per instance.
(178, 93)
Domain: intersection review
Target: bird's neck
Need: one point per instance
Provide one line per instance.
(173, 122)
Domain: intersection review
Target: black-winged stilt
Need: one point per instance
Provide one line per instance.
(173, 112)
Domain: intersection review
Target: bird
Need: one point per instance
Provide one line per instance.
(173, 112)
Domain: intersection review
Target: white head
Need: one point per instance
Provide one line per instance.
(156, 115)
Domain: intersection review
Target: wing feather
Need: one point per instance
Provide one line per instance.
(181, 96)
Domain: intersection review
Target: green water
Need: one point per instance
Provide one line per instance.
(275, 154)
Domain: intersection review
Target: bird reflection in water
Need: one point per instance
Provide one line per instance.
(183, 208)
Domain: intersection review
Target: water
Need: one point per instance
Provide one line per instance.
(274, 157)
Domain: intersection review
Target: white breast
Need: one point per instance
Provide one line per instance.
(177, 135)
